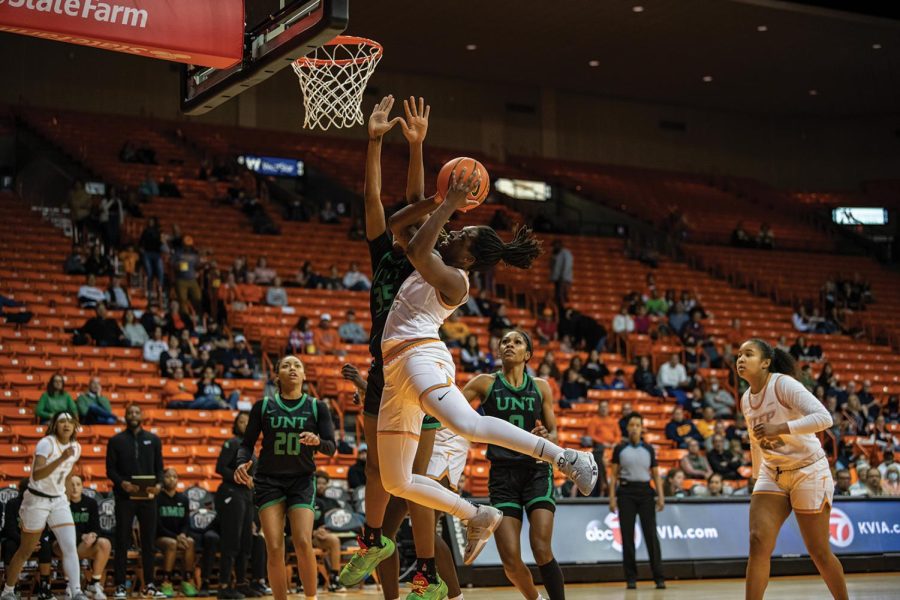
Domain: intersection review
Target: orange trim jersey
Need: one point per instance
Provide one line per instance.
(418, 312)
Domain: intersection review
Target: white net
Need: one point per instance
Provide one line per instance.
(333, 78)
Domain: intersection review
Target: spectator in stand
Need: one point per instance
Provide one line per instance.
(826, 377)
(178, 391)
(333, 281)
(306, 277)
(672, 378)
(694, 327)
(595, 371)
(91, 545)
(240, 271)
(766, 237)
(550, 360)
(97, 263)
(642, 321)
(231, 295)
(354, 280)
(350, 331)
(17, 318)
(546, 328)
(643, 378)
(327, 340)
(862, 472)
(111, 217)
(276, 295)
(168, 188)
(740, 238)
(682, 430)
(172, 358)
(678, 318)
(673, 487)
(149, 187)
(178, 319)
(472, 357)
(618, 382)
(54, 400)
(842, 482)
(93, 407)
(715, 486)
(574, 387)
(738, 430)
(707, 424)
(357, 231)
(89, 295)
(301, 339)
(603, 428)
(874, 488)
(155, 346)
(805, 377)
(116, 295)
(801, 320)
(262, 274)
(623, 323)
(694, 464)
(719, 399)
(722, 460)
(151, 255)
(100, 330)
(801, 351)
(454, 331)
(544, 372)
(855, 416)
(500, 322)
(890, 482)
(186, 266)
(328, 215)
(562, 266)
(240, 364)
(172, 527)
(356, 474)
(80, 204)
(209, 395)
(656, 305)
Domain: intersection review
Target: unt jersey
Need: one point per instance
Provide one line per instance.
(522, 406)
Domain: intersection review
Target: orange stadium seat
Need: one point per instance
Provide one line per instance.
(14, 471)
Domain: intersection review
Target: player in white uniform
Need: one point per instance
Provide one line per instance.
(420, 374)
(448, 458)
(44, 503)
(789, 465)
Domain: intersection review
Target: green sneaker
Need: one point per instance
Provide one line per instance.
(167, 589)
(188, 589)
(364, 562)
(422, 590)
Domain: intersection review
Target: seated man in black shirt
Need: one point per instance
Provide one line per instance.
(172, 528)
(86, 515)
(101, 329)
(722, 460)
(321, 537)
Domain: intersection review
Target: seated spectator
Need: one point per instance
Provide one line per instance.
(603, 428)
(134, 333)
(854, 415)
(332, 281)
(859, 488)
(172, 536)
(178, 319)
(874, 488)
(715, 486)
(867, 399)
(618, 382)
(694, 328)
(472, 357)
(202, 360)
(172, 358)
(681, 430)
(673, 486)
(707, 423)
(148, 188)
(326, 337)
(574, 387)
(97, 263)
(719, 399)
(500, 322)
(301, 339)
(766, 237)
(262, 274)
(801, 320)
(678, 318)
(240, 364)
(594, 371)
(100, 330)
(722, 460)
(672, 378)
(328, 215)
(550, 360)
(350, 331)
(842, 482)
(546, 327)
(642, 321)
(89, 295)
(54, 400)
(643, 378)
(354, 280)
(168, 188)
(694, 464)
(240, 271)
(209, 395)
(155, 346)
(178, 391)
(544, 372)
(16, 318)
(623, 323)
(231, 295)
(805, 377)
(322, 538)
(93, 407)
(656, 305)
(738, 430)
(306, 277)
(116, 295)
(801, 351)
(740, 238)
(890, 483)
(276, 295)
(454, 332)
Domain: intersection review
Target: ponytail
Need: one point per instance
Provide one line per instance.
(781, 361)
(488, 249)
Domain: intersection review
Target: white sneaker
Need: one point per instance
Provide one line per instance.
(95, 591)
(479, 530)
(9, 596)
(581, 468)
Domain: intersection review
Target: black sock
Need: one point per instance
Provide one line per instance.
(426, 567)
(372, 536)
(552, 576)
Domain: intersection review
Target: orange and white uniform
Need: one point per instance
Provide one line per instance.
(45, 502)
(795, 464)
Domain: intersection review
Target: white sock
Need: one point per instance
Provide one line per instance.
(8, 588)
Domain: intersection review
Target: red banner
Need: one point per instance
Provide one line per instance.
(200, 32)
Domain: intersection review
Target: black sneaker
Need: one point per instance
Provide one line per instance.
(335, 586)
(661, 584)
(631, 585)
(121, 593)
(44, 593)
(262, 590)
(247, 591)
(229, 594)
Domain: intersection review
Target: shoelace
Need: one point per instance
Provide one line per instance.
(363, 549)
(419, 584)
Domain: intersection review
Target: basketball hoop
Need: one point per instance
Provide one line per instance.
(333, 78)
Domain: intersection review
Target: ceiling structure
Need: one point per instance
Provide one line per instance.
(753, 56)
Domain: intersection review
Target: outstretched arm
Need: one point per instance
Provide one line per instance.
(414, 130)
(447, 280)
(378, 126)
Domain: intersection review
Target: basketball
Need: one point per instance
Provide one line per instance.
(458, 164)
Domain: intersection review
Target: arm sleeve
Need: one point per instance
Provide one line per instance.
(93, 524)
(251, 434)
(793, 395)
(225, 460)
(327, 445)
(112, 456)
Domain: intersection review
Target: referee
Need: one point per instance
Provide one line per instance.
(633, 466)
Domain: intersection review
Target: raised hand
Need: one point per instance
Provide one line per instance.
(416, 125)
(378, 121)
(460, 186)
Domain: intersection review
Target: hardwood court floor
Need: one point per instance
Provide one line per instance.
(871, 586)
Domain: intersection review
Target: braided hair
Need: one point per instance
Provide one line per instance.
(488, 249)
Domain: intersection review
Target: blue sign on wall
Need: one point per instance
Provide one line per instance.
(273, 165)
(589, 533)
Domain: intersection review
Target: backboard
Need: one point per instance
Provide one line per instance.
(277, 32)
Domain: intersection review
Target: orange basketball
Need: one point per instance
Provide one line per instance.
(457, 165)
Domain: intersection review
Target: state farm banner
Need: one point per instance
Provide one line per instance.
(589, 533)
(200, 32)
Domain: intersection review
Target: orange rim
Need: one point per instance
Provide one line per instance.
(376, 50)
